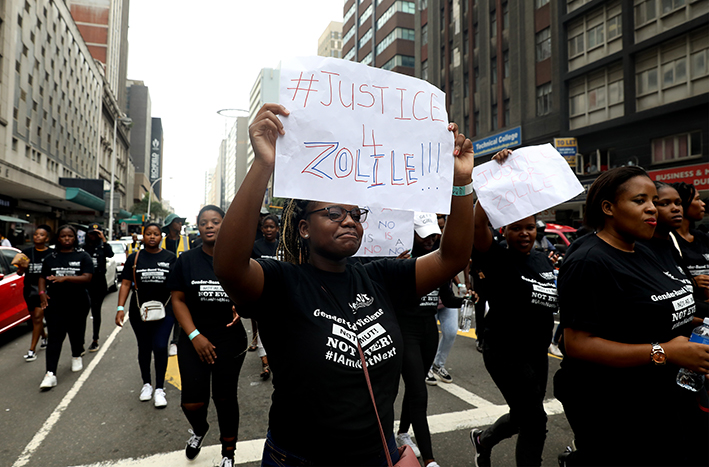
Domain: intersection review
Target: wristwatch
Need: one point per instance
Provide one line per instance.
(657, 354)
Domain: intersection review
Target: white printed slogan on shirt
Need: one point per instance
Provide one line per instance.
(543, 293)
(211, 291)
(153, 275)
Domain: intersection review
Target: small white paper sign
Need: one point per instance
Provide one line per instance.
(362, 135)
(387, 232)
(531, 180)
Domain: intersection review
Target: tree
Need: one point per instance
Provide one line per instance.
(156, 208)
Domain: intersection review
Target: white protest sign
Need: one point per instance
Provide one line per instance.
(531, 180)
(387, 232)
(363, 135)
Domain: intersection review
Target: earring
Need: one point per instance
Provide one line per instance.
(306, 236)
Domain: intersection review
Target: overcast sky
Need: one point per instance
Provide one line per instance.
(199, 57)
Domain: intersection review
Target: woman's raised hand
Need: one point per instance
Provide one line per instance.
(464, 157)
(502, 156)
(264, 131)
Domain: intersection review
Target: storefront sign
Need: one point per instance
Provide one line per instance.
(697, 175)
(498, 142)
(568, 148)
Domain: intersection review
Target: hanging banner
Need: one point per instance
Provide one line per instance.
(363, 135)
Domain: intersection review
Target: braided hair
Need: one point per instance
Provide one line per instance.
(291, 247)
(686, 192)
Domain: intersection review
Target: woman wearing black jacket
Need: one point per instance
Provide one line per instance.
(99, 249)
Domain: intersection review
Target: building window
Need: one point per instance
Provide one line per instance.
(365, 38)
(671, 148)
(576, 46)
(671, 5)
(543, 40)
(424, 34)
(615, 27)
(493, 24)
(493, 70)
(350, 55)
(544, 99)
(507, 112)
(349, 13)
(645, 12)
(399, 5)
(674, 72)
(493, 117)
(349, 34)
(424, 70)
(398, 33)
(540, 3)
(466, 44)
(476, 78)
(366, 14)
(466, 85)
(399, 60)
(506, 63)
(476, 123)
(595, 36)
(699, 63)
(476, 36)
(505, 17)
(443, 19)
(367, 60)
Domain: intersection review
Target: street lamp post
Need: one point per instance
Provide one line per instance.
(126, 121)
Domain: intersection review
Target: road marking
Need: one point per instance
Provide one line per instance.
(251, 451)
(54, 417)
(172, 375)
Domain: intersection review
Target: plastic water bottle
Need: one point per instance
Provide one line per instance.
(688, 379)
(466, 316)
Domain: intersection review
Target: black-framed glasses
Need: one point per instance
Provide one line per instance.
(338, 213)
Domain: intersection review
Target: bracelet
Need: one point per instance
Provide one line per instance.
(42, 292)
(463, 190)
(194, 334)
(120, 308)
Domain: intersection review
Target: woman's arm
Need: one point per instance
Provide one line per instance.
(84, 278)
(122, 298)
(483, 236)
(457, 240)
(241, 276)
(201, 344)
(679, 351)
(42, 286)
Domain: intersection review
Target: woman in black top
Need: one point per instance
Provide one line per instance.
(694, 243)
(314, 311)
(151, 271)
(213, 342)
(66, 274)
(519, 283)
(35, 255)
(626, 319)
(99, 249)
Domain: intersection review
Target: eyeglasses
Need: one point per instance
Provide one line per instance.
(338, 213)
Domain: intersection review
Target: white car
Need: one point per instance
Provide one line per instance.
(119, 254)
(111, 274)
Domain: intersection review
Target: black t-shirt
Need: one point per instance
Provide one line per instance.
(522, 296)
(696, 253)
(34, 269)
(628, 297)
(74, 263)
(310, 321)
(209, 305)
(98, 254)
(264, 249)
(171, 245)
(151, 272)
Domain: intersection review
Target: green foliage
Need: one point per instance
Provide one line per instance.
(156, 209)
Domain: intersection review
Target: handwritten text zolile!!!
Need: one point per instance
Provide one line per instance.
(360, 135)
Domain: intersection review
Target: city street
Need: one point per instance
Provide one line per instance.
(94, 418)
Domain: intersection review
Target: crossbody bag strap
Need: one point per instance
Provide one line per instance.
(135, 281)
(374, 403)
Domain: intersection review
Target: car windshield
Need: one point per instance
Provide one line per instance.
(118, 247)
(571, 236)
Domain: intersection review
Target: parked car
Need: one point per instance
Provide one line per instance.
(13, 309)
(119, 254)
(112, 274)
(560, 235)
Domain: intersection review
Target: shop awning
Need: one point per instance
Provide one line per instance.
(13, 219)
(135, 220)
(84, 198)
(123, 214)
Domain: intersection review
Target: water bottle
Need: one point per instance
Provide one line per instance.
(688, 379)
(466, 316)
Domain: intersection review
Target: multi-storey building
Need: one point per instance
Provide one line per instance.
(54, 114)
(380, 35)
(330, 42)
(235, 158)
(139, 110)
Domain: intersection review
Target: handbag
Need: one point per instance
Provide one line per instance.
(407, 458)
(152, 310)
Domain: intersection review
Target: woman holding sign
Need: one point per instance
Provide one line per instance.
(627, 339)
(517, 330)
(320, 314)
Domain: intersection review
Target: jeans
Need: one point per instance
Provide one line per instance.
(273, 456)
(448, 317)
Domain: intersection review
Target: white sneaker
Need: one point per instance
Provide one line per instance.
(31, 356)
(433, 464)
(172, 351)
(554, 350)
(160, 400)
(76, 364)
(49, 381)
(404, 438)
(226, 462)
(146, 393)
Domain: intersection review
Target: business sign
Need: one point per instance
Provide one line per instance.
(362, 135)
(697, 175)
(568, 148)
(498, 142)
(155, 160)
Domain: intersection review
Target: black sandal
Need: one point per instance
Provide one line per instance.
(266, 373)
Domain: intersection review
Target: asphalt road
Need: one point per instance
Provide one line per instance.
(94, 418)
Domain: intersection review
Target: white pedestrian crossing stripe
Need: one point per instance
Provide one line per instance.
(484, 413)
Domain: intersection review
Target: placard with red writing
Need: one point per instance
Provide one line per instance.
(362, 135)
(530, 180)
(387, 232)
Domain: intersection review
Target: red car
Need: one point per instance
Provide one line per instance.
(559, 234)
(13, 309)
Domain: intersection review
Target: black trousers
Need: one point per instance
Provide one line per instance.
(521, 377)
(64, 317)
(420, 346)
(97, 292)
(152, 337)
